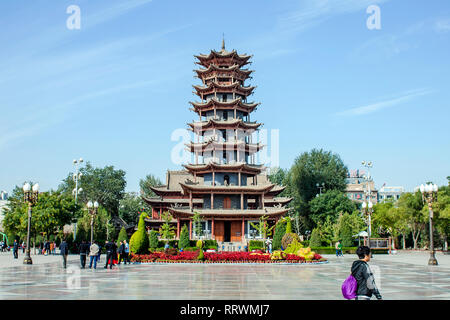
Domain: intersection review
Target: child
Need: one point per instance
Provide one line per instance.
(364, 276)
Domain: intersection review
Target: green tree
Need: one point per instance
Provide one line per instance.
(101, 225)
(347, 226)
(197, 224)
(442, 214)
(167, 231)
(184, 238)
(330, 204)
(105, 185)
(130, 206)
(310, 168)
(51, 212)
(263, 228)
(315, 240)
(411, 205)
(146, 184)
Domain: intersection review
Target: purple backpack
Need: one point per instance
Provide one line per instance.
(349, 287)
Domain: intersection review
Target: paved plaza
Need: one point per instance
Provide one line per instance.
(402, 276)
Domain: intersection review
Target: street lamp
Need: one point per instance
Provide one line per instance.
(367, 207)
(320, 186)
(76, 176)
(429, 194)
(92, 207)
(31, 196)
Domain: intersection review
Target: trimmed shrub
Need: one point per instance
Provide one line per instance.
(288, 238)
(139, 241)
(199, 244)
(280, 230)
(184, 238)
(293, 247)
(315, 238)
(255, 245)
(153, 240)
(122, 236)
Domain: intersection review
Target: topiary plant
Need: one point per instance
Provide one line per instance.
(153, 240)
(139, 240)
(289, 236)
(293, 247)
(184, 238)
(280, 230)
(122, 236)
(199, 244)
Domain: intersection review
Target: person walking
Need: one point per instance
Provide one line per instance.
(93, 254)
(16, 249)
(64, 250)
(99, 252)
(338, 247)
(126, 252)
(110, 253)
(366, 286)
(47, 248)
(121, 252)
(51, 248)
(84, 250)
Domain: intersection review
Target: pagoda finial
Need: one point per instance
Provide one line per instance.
(223, 41)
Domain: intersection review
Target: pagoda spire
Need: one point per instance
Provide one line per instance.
(223, 42)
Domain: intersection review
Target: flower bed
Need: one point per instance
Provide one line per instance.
(220, 257)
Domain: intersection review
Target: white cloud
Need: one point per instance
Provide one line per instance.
(401, 98)
(442, 25)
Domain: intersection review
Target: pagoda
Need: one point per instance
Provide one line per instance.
(223, 185)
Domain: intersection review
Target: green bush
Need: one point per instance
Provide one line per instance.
(280, 230)
(200, 256)
(288, 238)
(153, 240)
(255, 245)
(184, 238)
(122, 236)
(210, 244)
(315, 240)
(331, 250)
(139, 241)
(293, 247)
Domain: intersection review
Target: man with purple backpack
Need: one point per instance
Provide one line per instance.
(360, 285)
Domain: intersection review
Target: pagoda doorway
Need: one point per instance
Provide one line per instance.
(226, 203)
(227, 231)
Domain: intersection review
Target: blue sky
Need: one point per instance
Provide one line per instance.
(115, 90)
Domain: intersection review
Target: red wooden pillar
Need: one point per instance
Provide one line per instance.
(160, 212)
(243, 229)
(190, 229)
(212, 229)
(178, 228)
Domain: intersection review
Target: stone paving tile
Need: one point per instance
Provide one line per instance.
(399, 280)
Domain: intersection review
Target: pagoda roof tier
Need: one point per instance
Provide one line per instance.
(201, 169)
(213, 87)
(228, 213)
(222, 57)
(276, 190)
(230, 189)
(213, 103)
(165, 191)
(229, 71)
(198, 126)
(275, 200)
(224, 146)
(160, 201)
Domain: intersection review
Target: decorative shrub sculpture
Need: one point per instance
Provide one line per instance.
(293, 247)
(289, 236)
(139, 240)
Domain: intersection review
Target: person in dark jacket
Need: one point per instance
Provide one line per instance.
(47, 248)
(121, 252)
(64, 249)
(84, 251)
(364, 276)
(111, 252)
(16, 249)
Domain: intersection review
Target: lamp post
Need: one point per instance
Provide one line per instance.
(320, 187)
(76, 176)
(367, 207)
(31, 196)
(429, 194)
(92, 207)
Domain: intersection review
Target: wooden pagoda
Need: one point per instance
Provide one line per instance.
(224, 184)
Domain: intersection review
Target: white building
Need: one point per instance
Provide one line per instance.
(390, 193)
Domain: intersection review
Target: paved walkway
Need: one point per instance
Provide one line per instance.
(402, 276)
